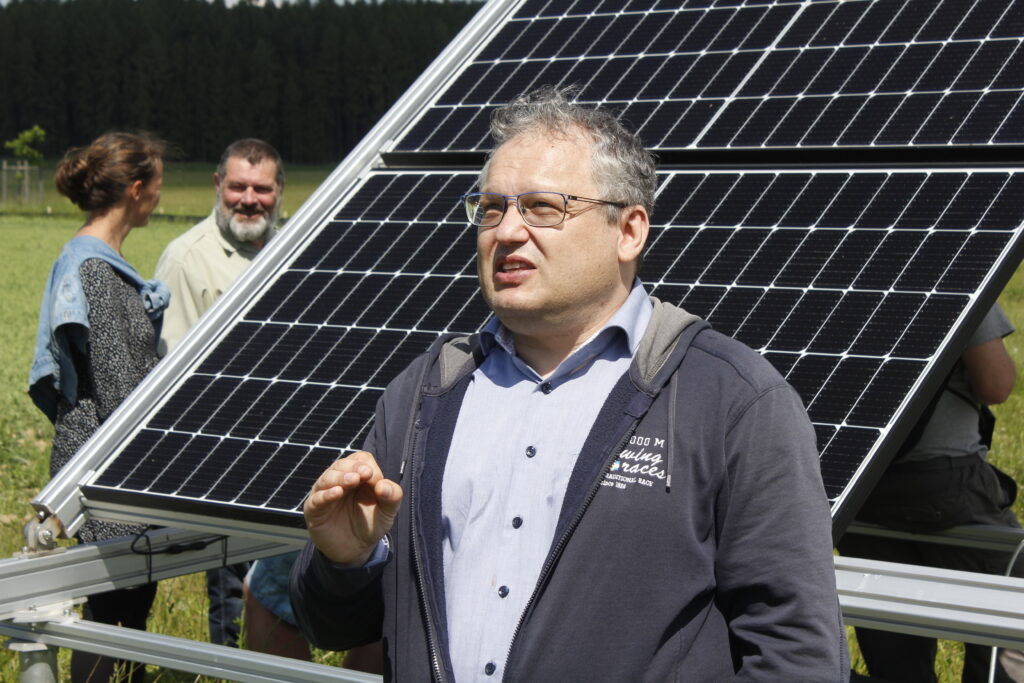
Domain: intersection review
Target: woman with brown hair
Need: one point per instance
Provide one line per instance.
(97, 336)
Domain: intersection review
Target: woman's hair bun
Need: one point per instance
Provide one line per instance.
(95, 178)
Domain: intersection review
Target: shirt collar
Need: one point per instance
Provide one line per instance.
(631, 318)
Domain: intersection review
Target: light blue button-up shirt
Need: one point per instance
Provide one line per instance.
(513, 450)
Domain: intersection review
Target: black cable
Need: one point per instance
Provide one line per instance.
(177, 548)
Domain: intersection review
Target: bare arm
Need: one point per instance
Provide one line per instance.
(991, 371)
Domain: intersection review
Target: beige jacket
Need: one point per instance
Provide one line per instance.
(198, 266)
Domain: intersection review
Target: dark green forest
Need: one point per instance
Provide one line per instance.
(310, 77)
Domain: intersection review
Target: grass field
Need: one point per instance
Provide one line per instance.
(34, 242)
(187, 190)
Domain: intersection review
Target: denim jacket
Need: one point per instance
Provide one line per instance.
(64, 319)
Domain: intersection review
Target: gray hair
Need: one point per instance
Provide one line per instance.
(622, 169)
(254, 151)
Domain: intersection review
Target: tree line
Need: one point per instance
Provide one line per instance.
(310, 77)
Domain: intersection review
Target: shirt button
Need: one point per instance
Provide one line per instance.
(546, 387)
(530, 451)
(517, 522)
(489, 668)
(503, 591)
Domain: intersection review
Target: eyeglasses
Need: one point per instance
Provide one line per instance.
(538, 209)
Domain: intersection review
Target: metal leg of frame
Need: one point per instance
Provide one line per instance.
(37, 662)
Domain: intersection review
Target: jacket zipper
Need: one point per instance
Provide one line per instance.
(437, 672)
(565, 539)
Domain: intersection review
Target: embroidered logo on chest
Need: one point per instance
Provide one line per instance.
(641, 463)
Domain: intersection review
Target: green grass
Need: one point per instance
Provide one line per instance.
(187, 190)
(32, 245)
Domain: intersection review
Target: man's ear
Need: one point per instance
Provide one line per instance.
(633, 231)
(216, 180)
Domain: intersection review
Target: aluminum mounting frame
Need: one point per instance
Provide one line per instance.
(33, 582)
(940, 603)
(218, 661)
(977, 608)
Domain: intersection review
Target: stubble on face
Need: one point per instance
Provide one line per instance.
(548, 281)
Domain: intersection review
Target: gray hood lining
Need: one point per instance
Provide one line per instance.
(659, 341)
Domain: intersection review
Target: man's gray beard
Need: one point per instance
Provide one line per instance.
(244, 231)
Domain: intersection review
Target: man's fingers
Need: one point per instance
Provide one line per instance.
(350, 507)
(359, 458)
(389, 496)
(333, 486)
(350, 471)
(347, 476)
(320, 498)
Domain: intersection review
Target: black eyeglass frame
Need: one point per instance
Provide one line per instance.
(566, 198)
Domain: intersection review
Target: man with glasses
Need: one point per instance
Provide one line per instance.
(596, 486)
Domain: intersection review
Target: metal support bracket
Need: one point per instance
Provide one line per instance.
(41, 534)
(217, 661)
(37, 594)
(51, 612)
(37, 662)
(987, 537)
(939, 603)
(42, 583)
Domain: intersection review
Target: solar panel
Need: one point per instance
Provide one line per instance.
(729, 75)
(848, 293)
(859, 282)
(293, 385)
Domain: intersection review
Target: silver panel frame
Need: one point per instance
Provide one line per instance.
(217, 661)
(939, 603)
(31, 582)
(976, 608)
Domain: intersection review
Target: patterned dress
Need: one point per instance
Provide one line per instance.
(121, 351)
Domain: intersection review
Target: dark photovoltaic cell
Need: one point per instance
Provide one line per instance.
(731, 75)
(847, 281)
(293, 384)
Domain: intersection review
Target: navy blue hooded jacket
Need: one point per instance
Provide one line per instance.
(710, 563)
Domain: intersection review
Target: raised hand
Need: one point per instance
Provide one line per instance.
(350, 509)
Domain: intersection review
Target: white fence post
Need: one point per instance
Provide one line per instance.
(27, 182)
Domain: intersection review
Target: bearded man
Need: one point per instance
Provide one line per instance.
(200, 264)
(198, 267)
